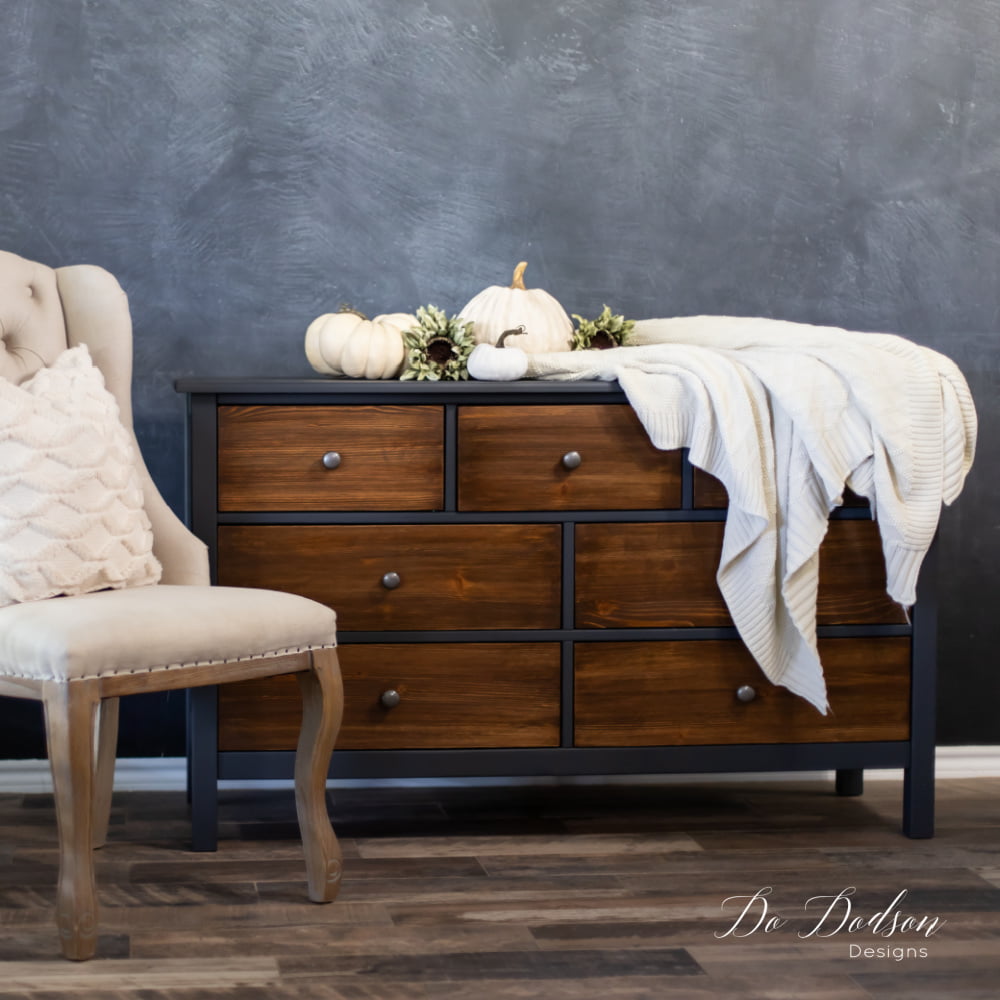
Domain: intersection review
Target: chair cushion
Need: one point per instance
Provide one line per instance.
(156, 628)
(71, 502)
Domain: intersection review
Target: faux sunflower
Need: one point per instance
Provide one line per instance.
(437, 348)
(608, 330)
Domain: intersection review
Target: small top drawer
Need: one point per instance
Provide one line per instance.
(331, 458)
(574, 457)
(710, 494)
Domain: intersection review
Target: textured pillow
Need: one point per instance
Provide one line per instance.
(71, 515)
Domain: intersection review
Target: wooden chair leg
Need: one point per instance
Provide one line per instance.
(104, 767)
(322, 708)
(70, 710)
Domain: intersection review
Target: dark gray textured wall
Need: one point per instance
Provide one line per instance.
(242, 167)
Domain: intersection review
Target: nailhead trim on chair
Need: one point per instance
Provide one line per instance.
(179, 666)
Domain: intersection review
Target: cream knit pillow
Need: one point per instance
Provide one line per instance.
(71, 514)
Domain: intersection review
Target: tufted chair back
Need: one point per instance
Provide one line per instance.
(44, 311)
(79, 654)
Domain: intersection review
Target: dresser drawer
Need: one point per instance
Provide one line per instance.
(450, 696)
(663, 575)
(709, 493)
(272, 458)
(450, 576)
(684, 694)
(511, 458)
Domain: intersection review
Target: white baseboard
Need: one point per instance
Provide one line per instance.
(134, 774)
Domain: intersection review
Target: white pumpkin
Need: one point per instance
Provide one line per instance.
(497, 309)
(348, 343)
(497, 364)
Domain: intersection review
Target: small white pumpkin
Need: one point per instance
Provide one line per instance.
(348, 343)
(497, 364)
(497, 309)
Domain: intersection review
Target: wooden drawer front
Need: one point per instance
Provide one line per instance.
(451, 576)
(684, 694)
(271, 458)
(648, 575)
(709, 493)
(663, 575)
(852, 577)
(451, 695)
(510, 458)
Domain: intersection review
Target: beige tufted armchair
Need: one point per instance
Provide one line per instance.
(78, 654)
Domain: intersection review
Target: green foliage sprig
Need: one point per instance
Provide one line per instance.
(608, 330)
(437, 348)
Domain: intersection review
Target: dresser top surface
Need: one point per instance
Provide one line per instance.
(411, 391)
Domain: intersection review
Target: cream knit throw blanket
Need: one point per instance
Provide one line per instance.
(786, 415)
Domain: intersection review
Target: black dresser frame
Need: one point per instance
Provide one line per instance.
(207, 765)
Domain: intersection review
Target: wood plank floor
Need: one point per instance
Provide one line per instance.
(572, 891)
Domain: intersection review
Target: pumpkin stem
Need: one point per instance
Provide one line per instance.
(518, 281)
(516, 332)
(345, 308)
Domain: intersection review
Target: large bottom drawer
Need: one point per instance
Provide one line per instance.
(684, 694)
(452, 695)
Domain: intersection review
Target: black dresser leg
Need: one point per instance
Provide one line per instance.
(918, 778)
(918, 800)
(203, 771)
(851, 781)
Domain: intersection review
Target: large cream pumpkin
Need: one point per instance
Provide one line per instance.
(498, 309)
(348, 343)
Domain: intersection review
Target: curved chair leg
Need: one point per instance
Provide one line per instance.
(70, 710)
(322, 708)
(104, 767)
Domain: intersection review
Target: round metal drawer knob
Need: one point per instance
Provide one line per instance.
(745, 693)
(391, 580)
(572, 460)
(331, 459)
(390, 698)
